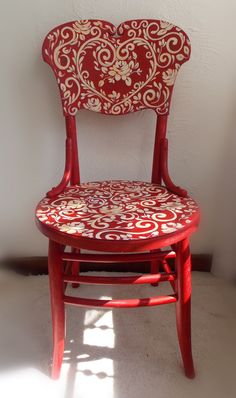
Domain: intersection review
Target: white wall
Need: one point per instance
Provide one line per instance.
(32, 126)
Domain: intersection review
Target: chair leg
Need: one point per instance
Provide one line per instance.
(183, 305)
(75, 268)
(155, 267)
(55, 268)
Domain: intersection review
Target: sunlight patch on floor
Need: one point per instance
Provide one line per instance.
(90, 377)
(135, 358)
(29, 383)
(101, 333)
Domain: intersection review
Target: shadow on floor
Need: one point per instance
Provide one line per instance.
(120, 353)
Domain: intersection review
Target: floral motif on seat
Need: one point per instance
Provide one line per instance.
(117, 210)
(116, 70)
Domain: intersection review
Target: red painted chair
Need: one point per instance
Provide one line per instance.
(116, 71)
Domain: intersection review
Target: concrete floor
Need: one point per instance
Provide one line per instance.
(120, 353)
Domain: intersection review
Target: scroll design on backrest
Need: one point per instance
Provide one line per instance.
(116, 71)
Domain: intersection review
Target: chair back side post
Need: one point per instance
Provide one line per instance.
(160, 135)
(71, 133)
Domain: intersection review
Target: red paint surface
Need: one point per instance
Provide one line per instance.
(116, 71)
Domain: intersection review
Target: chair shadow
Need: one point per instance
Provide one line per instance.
(129, 343)
(132, 353)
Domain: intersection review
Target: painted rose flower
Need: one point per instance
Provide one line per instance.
(111, 210)
(72, 228)
(83, 28)
(169, 76)
(93, 104)
(175, 206)
(121, 70)
(164, 27)
(170, 227)
(42, 217)
(107, 214)
(75, 204)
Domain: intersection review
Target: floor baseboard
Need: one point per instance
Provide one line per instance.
(38, 265)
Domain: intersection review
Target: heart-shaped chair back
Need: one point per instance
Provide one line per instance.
(116, 70)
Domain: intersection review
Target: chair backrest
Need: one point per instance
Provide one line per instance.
(116, 70)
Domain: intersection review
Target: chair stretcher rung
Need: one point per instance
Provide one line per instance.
(120, 280)
(123, 303)
(117, 258)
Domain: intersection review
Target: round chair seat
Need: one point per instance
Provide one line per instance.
(117, 210)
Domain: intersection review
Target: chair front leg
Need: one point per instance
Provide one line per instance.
(183, 305)
(55, 269)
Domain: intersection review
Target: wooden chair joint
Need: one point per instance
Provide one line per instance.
(165, 173)
(67, 172)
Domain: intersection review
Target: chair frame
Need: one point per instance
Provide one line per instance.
(142, 251)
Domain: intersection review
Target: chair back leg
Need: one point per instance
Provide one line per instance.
(155, 267)
(183, 305)
(55, 269)
(75, 269)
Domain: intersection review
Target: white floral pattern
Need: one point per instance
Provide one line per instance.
(117, 210)
(116, 70)
(120, 70)
(93, 104)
